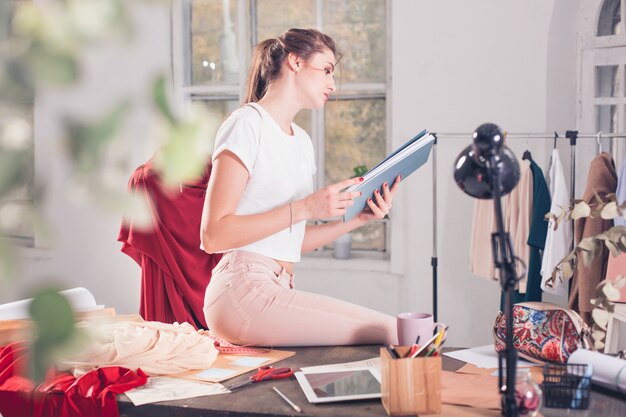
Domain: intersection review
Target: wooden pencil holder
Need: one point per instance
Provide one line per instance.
(410, 386)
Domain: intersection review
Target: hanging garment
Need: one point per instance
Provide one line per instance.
(602, 180)
(620, 193)
(156, 348)
(558, 242)
(60, 394)
(616, 267)
(174, 270)
(536, 236)
(516, 208)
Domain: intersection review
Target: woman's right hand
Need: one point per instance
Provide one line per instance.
(328, 201)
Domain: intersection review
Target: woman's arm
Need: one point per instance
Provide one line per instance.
(377, 207)
(222, 229)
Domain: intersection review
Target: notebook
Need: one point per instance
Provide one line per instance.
(403, 161)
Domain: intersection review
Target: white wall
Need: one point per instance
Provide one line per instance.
(456, 65)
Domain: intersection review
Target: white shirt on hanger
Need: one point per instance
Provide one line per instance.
(558, 242)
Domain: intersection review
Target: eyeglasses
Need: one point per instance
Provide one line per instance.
(328, 71)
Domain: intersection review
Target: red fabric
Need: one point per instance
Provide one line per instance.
(61, 394)
(174, 270)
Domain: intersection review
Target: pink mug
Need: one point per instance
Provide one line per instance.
(415, 328)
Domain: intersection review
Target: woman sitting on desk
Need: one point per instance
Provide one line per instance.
(259, 198)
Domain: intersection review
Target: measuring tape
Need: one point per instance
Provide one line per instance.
(228, 348)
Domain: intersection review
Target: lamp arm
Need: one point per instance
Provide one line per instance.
(504, 260)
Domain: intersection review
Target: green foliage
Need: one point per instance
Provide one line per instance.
(53, 319)
(86, 141)
(42, 44)
(359, 171)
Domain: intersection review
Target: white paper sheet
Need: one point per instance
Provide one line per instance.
(608, 371)
(81, 299)
(483, 357)
(169, 389)
(249, 361)
(367, 363)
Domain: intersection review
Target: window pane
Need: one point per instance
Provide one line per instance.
(220, 108)
(303, 119)
(606, 118)
(606, 81)
(371, 236)
(355, 135)
(277, 16)
(358, 26)
(214, 42)
(610, 19)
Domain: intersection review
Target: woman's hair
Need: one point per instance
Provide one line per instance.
(270, 54)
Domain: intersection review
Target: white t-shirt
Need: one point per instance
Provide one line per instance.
(281, 170)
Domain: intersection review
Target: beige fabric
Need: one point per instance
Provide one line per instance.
(517, 211)
(157, 348)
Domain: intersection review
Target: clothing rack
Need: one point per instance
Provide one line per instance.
(571, 135)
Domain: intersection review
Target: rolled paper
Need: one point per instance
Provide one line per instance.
(608, 371)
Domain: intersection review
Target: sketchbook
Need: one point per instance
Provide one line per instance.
(403, 161)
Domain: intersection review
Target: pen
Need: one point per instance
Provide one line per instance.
(392, 352)
(424, 347)
(295, 407)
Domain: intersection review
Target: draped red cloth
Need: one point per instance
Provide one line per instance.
(174, 270)
(61, 394)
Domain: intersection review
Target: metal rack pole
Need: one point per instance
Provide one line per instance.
(433, 261)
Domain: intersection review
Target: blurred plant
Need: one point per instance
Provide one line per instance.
(359, 171)
(607, 293)
(41, 46)
(588, 248)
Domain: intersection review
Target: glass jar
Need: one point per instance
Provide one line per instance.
(527, 394)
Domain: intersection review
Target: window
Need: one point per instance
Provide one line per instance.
(604, 71)
(217, 37)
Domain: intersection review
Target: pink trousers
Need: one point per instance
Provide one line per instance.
(250, 300)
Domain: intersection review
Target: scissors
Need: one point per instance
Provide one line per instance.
(265, 373)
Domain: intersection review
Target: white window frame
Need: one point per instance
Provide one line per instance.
(185, 92)
(594, 50)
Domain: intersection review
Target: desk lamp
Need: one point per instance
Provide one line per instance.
(487, 169)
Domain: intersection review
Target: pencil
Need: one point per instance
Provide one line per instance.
(295, 407)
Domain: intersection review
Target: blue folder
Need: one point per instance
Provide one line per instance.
(403, 161)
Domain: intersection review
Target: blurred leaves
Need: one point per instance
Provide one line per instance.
(188, 141)
(607, 292)
(53, 320)
(86, 141)
(43, 44)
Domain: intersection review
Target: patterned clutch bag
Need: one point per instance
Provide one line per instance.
(543, 332)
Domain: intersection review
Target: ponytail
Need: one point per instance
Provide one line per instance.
(266, 63)
(270, 54)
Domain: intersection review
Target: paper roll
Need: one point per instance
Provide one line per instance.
(608, 371)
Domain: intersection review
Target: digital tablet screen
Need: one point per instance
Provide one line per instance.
(344, 385)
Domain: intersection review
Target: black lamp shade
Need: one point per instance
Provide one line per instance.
(471, 171)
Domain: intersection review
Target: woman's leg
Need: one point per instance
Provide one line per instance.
(251, 303)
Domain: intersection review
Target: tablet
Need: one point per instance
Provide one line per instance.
(340, 385)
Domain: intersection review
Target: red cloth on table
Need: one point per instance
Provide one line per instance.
(174, 270)
(61, 394)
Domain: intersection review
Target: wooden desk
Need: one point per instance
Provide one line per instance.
(258, 400)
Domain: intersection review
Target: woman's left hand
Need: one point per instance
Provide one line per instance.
(379, 204)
